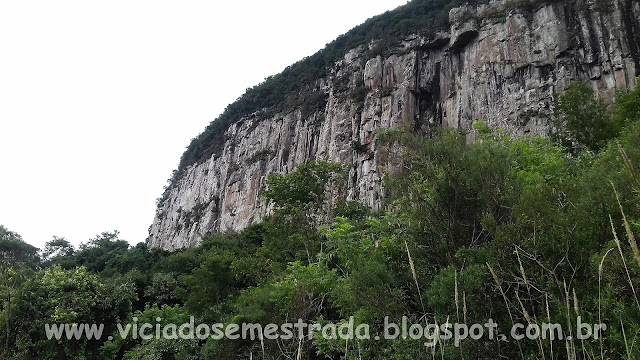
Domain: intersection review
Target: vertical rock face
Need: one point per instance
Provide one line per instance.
(496, 63)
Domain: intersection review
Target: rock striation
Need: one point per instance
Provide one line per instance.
(498, 62)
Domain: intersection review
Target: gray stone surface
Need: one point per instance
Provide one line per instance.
(496, 63)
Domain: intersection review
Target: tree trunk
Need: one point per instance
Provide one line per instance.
(6, 342)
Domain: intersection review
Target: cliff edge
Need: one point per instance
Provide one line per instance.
(500, 62)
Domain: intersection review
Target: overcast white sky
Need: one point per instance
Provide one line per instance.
(98, 99)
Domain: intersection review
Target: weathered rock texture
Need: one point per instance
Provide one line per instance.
(496, 63)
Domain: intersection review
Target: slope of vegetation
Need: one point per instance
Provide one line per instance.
(517, 230)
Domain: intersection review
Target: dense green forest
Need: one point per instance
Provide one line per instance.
(527, 230)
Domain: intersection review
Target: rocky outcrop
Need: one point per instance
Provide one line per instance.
(499, 62)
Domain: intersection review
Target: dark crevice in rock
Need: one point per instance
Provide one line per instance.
(632, 31)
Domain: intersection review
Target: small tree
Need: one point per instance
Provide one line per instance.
(11, 278)
(14, 250)
(302, 193)
(301, 203)
(58, 247)
(583, 120)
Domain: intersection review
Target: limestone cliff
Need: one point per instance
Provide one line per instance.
(497, 62)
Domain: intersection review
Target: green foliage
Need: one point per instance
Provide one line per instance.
(57, 296)
(11, 281)
(526, 207)
(372, 259)
(351, 210)
(207, 285)
(627, 106)
(583, 120)
(161, 289)
(304, 291)
(471, 280)
(304, 188)
(59, 251)
(14, 250)
(102, 252)
(516, 230)
(302, 200)
(359, 94)
(151, 349)
(449, 188)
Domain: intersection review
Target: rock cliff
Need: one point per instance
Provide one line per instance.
(498, 62)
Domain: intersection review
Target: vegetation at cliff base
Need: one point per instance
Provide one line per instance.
(528, 231)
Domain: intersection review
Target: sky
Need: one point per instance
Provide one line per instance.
(98, 99)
